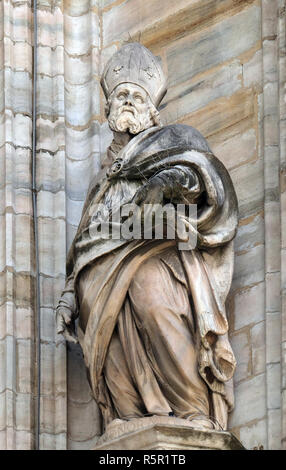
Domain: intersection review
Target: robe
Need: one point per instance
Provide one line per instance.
(152, 317)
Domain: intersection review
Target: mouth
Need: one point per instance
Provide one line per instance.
(126, 109)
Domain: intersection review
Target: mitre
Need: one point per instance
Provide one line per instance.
(133, 63)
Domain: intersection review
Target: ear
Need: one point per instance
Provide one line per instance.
(154, 114)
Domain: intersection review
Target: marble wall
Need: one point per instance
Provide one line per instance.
(226, 66)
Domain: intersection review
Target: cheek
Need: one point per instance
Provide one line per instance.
(142, 108)
(115, 104)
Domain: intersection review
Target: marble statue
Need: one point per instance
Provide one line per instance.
(151, 316)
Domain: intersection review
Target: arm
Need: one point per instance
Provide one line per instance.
(173, 184)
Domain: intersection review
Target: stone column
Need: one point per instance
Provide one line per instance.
(273, 46)
(17, 266)
(282, 143)
(51, 219)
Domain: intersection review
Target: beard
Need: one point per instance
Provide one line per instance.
(126, 119)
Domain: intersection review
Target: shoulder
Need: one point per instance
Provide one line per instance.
(188, 136)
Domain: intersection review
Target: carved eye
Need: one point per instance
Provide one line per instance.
(138, 98)
(121, 96)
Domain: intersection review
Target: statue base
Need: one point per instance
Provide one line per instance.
(164, 433)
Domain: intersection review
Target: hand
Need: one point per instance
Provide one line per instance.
(66, 324)
(151, 193)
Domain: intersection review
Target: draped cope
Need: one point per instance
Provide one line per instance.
(207, 269)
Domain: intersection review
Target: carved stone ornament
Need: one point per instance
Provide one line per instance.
(151, 309)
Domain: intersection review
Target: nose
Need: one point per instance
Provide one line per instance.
(129, 100)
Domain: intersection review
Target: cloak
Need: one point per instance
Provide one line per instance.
(208, 267)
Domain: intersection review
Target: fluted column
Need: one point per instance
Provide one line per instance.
(51, 219)
(17, 267)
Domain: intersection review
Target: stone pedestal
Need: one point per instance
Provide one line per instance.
(164, 433)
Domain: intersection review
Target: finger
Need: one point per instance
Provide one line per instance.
(72, 333)
(60, 324)
(66, 316)
(146, 199)
(157, 196)
(137, 199)
(65, 330)
(139, 196)
(153, 197)
(69, 336)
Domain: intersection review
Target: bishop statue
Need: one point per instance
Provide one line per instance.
(151, 310)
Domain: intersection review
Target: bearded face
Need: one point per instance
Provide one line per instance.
(131, 109)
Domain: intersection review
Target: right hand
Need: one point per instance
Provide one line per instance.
(150, 193)
(66, 324)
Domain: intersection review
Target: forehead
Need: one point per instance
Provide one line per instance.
(131, 88)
